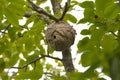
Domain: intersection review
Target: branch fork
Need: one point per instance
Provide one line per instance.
(38, 9)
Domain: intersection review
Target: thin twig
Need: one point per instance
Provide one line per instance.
(40, 10)
(48, 73)
(114, 34)
(36, 59)
(67, 5)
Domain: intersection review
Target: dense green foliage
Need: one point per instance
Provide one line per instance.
(99, 47)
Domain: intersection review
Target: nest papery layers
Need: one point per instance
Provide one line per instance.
(60, 35)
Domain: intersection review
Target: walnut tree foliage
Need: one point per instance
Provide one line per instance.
(100, 47)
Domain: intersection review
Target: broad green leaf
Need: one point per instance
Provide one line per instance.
(83, 20)
(12, 34)
(85, 32)
(11, 16)
(29, 44)
(42, 50)
(92, 28)
(4, 76)
(101, 79)
(73, 2)
(30, 19)
(97, 35)
(47, 8)
(90, 73)
(31, 74)
(22, 2)
(89, 14)
(48, 66)
(18, 9)
(13, 59)
(1, 26)
(83, 44)
(1, 14)
(19, 45)
(87, 4)
(70, 17)
(2, 65)
(111, 11)
(90, 56)
(40, 2)
(37, 39)
(102, 4)
(2, 46)
(38, 26)
(75, 76)
(109, 44)
(51, 50)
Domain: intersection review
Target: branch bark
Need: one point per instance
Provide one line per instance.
(56, 6)
(67, 5)
(67, 60)
(41, 11)
(35, 60)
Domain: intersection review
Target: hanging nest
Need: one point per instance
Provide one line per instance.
(60, 35)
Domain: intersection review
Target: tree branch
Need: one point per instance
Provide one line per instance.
(67, 61)
(35, 60)
(40, 10)
(56, 6)
(114, 34)
(44, 17)
(67, 5)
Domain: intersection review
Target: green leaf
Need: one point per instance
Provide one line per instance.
(12, 34)
(90, 56)
(29, 44)
(97, 35)
(13, 59)
(83, 20)
(38, 27)
(111, 11)
(70, 17)
(1, 26)
(31, 74)
(2, 47)
(30, 19)
(42, 50)
(74, 2)
(89, 14)
(87, 4)
(83, 44)
(47, 8)
(90, 73)
(51, 50)
(75, 76)
(102, 4)
(1, 14)
(109, 44)
(18, 9)
(32, 57)
(2, 65)
(59, 77)
(11, 16)
(85, 32)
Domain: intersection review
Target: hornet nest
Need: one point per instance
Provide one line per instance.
(60, 35)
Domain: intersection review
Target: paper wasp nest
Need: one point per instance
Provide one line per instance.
(60, 35)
